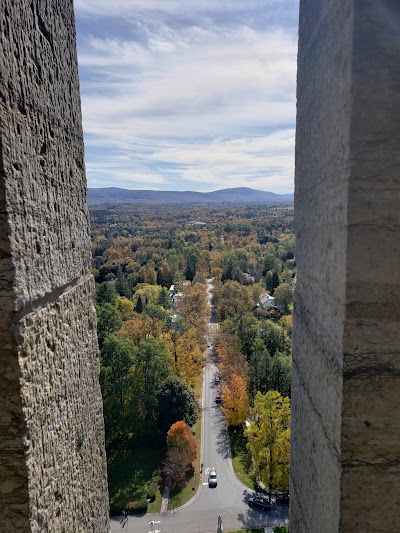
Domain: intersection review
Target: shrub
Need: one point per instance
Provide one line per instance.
(152, 491)
(137, 507)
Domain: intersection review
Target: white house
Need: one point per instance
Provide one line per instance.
(267, 301)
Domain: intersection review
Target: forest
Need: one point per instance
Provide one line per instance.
(151, 265)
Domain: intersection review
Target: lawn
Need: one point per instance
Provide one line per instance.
(240, 457)
(132, 465)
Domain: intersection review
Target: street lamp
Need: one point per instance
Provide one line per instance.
(220, 527)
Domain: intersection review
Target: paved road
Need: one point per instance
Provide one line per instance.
(229, 498)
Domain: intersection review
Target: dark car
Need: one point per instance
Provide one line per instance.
(282, 497)
(260, 503)
(218, 398)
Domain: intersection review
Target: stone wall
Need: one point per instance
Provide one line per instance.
(53, 466)
(345, 468)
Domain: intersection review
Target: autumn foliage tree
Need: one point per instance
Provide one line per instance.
(229, 298)
(232, 361)
(236, 401)
(268, 439)
(186, 354)
(181, 452)
(194, 308)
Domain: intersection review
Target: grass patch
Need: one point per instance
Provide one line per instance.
(132, 467)
(241, 460)
(180, 497)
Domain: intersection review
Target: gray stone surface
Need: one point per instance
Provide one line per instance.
(346, 406)
(42, 146)
(52, 458)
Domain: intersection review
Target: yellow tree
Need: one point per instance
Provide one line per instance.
(236, 401)
(146, 293)
(125, 306)
(188, 357)
(268, 439)
(194, 308)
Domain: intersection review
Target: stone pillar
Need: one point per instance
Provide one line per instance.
(345, 449)
(52, 458)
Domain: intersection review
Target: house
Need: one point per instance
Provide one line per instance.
(267, 301)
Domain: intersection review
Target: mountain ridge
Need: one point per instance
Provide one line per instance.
(234, 195)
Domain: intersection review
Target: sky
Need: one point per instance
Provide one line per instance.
(192, 95)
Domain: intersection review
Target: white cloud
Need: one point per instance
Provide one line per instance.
(105, 8)
(190, 102)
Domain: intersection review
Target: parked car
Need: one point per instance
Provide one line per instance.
(282, 497)
(218, 398)
(212, 477)
(217, 379)
(260, 503)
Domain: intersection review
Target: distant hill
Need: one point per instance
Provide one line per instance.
(238, 196)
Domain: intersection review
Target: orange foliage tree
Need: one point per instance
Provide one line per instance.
(181, 452)
(180, 436)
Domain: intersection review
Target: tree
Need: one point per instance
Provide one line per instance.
(117, 358)
(284, 296)
(176, 401)
(231, 357)
(152, 368)
(281, 373)
(164, 299)
(159, 314)
(260, 368)
(135, 329)
(139, 304)
(122, 285)
(286, 323)
(246, 327)
(188, 356)
(274, 337)
(194, 308)
(109, 320)
(105, 293)
(180, 436)
(146, 294)
(125, 307)
(271, 281)
(192, 254)
(268, 439)
(181, 452)
(236, 401)
(229, 298)
(177, 464)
